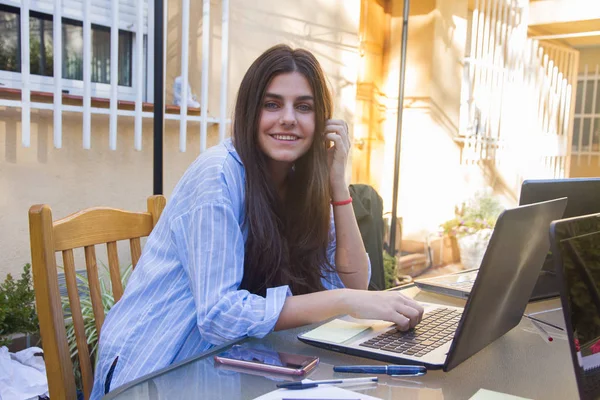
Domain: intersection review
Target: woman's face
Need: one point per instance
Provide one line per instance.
(287, 119)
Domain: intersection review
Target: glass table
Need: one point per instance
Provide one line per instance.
(520, 363)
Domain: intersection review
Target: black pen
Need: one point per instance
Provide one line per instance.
(543, 322)
(312, 384)
(393, 370)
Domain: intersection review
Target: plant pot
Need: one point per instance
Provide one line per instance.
(472, 248)
(445, 251)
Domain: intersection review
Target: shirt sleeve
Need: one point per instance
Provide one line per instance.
(213, 258)
(331, 279)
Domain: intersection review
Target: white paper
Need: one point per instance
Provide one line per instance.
(484, 394)
(22, 376)
(319, 392)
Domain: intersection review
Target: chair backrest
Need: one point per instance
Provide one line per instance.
(85, 229)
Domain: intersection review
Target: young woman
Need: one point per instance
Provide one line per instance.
(254, 233)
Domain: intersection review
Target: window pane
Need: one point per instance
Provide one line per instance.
(578, 96)
(589, 97)
(596, 135)
(597, 111)
(10, 59)
(125, 57)
(41, 47)
(576, 124)
(72, 37)
(101, 56)
(587, 125)
(40, 44)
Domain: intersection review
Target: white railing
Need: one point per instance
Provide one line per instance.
(87, 75)
(57, 59)
(586, 135)
(25, 90)
(518, 104)
(119, 17)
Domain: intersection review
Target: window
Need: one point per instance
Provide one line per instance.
(41, 47)
(10, 59)
(586, 123)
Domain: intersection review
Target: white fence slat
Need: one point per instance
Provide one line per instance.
(583, 95)
(114, 74)
(139, 76)
(205, 66)
(150, 55)
(87, 74)
(224, 69)
(25, 88)
(57, 60)
(591, 132)
(185, 48)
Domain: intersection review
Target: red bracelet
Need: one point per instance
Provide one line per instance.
(341, 203)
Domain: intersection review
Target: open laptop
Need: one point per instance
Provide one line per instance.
(576, 250)
(448, 335)
(584, 198)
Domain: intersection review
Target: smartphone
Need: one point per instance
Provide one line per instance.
(267, 360)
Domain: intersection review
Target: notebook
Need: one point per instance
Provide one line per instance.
(576, 251)
(583, 198)
(449, 335)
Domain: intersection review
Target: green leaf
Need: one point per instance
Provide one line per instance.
(17, 306)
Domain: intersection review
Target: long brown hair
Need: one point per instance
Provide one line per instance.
(287, 238)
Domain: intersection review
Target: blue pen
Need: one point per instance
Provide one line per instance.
(393, 370)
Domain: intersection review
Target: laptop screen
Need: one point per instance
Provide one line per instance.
(578, 241)
(583, 194)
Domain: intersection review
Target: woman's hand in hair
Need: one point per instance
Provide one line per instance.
(389, 306)
(336, 133)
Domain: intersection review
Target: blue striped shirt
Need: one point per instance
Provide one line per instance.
(183, 296)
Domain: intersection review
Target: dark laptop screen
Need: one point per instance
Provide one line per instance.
(579, 246)
(583, 194)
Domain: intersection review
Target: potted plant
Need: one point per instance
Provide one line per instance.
(472, 226)
(19, 327)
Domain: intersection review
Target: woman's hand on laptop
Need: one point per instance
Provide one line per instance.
(394, 307)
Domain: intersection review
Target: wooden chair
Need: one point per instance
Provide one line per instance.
(85, 229)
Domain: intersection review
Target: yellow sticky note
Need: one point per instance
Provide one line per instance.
(336, 331)
(484, 394)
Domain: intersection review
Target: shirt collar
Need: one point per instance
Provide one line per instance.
(231, 148)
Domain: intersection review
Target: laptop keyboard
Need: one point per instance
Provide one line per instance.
(436, 328)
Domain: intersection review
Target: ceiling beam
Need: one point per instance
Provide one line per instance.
(559, 11)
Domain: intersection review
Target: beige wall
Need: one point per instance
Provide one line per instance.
(432, 181)
(586, 167)
(589, 56)
(73, 178)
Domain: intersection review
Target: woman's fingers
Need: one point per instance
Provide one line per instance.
(402, 322)
(412, 303)
(412, 314)
(339, 127)
(409, 308)
(337, 140)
